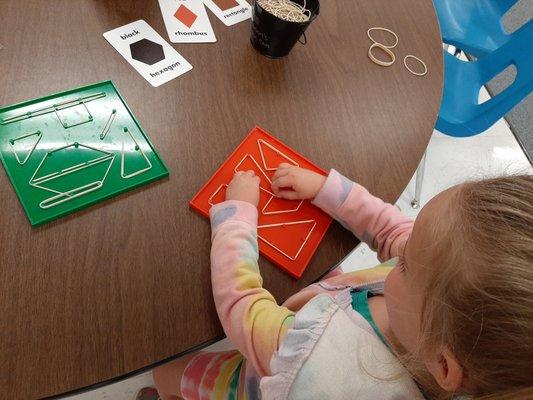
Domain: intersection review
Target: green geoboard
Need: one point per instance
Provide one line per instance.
(70, 150)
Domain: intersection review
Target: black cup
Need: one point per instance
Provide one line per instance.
(275, 37)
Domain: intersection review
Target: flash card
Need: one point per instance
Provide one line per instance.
(230, 12)
(187, 21)
(148, 52)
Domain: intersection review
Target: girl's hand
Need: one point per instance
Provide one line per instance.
(295, 183)
(244, 187)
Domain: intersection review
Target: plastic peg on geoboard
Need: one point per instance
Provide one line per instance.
(13, 141)
(283, 224)
(260, 142)
(137, 148)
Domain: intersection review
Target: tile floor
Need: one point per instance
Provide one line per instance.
(449, 161)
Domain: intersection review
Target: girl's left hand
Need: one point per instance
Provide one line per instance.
(244, 187)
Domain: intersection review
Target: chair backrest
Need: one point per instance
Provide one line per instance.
(503, 5)
(460, 113)
(474, 26)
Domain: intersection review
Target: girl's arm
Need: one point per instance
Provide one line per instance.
(380, 225)
(249, 314)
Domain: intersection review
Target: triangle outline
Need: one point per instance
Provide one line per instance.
(210, 200)
(293, 258)
(13, 141)
(278, 152)
(122, 157)
(256, 164)
(279, 212)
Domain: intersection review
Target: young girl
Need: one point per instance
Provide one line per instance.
(451, 309)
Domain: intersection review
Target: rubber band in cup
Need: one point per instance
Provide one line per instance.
(386, 50)
(420, 61)
(378, 28)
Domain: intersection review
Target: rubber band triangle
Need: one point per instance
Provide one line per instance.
(244, 165)
(278, 205)
(287, 242)
(273, 154)
(31, 139)
(137, 150)
(219, 196)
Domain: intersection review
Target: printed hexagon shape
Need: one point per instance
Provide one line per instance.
(147, 52)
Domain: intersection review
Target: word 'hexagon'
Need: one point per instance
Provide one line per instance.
(147, 52)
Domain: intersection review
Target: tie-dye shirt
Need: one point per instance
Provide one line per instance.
(250, 316)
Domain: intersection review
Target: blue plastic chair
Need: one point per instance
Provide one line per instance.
(460, 114)
(474, 26)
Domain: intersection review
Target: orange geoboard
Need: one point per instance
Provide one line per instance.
(289, 232)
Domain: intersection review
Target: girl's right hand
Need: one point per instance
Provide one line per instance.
(295, 183)
(244, 187)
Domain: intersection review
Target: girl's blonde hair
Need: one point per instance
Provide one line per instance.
(478, 298)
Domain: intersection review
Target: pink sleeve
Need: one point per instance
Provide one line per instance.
(381, 225)
(249, 314)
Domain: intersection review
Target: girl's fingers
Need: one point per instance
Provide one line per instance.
(288, 194)
(280, 172)
(284, 165)
(284, 181)
(239, 173)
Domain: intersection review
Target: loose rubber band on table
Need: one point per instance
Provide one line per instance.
(386, 50)
(417, 59)
(379, 28)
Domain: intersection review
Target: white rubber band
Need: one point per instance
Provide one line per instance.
(378, 28)
(386, 50)
(420, 61)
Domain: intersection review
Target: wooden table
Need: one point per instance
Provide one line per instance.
(126, 283)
